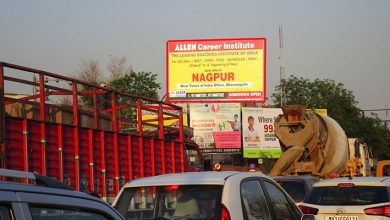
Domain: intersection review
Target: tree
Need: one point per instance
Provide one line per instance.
(117, 68)
(90, 72)
(322, 94)
(341, 106)
(139, 83)
(121, 79)
(376, 134)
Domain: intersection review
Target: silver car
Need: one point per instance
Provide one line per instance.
(206, 196)
(356, 198)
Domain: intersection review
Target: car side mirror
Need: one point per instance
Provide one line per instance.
(308, 217)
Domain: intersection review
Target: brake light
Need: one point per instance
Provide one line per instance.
(280, 183)
(381, 210)
(308, 210)
(345, 184)
(225, 213)
(171, 187)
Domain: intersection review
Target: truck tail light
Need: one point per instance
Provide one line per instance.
(225, 213)
(381, 210)
(308, 210)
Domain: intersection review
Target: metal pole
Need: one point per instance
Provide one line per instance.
(115, 130)
(103, 164)
(161, 137)
(91, 180)
(181, 138)
(2, 119)
(140, 139)
(95, 110)
(76, 136)
(129, 158)
(42, 111)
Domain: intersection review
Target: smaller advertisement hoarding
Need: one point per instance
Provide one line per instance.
(216, 70)
(259, 140)
(216, 127)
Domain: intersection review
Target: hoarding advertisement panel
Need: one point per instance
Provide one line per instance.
(259, 140)
(216, 70)
(216, 127)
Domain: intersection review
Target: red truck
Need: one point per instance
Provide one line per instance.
(90, 137)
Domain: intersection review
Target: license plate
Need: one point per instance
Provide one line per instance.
(341, 217)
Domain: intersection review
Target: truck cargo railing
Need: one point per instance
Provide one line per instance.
(88, 136)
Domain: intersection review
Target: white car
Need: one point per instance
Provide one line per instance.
(206, 195)
(356, 198)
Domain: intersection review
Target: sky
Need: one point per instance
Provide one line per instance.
(346, 41)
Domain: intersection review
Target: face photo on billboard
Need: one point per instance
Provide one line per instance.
(236, 123)
(251, 131)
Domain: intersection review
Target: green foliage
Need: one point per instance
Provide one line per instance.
(87, 101)
(376, 134)
(139, 83)
(341, 106)
(123, 81)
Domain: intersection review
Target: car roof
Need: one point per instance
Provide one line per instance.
(362, 181)
(20, 187)
(293, 177)
(189, 178)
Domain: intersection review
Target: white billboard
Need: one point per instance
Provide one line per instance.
(259, 140)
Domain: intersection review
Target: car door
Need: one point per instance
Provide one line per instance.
(60, 207)
(280, 205)
(9, 206)
(253, 200)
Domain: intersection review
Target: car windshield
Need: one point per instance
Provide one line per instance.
(296, 189)
(171, 202)
(352, 195)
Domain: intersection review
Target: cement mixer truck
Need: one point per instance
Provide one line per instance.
(314, 144)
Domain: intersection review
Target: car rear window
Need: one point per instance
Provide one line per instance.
(171, 202)
(296, 189)
(386, 170)
(347, 195)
